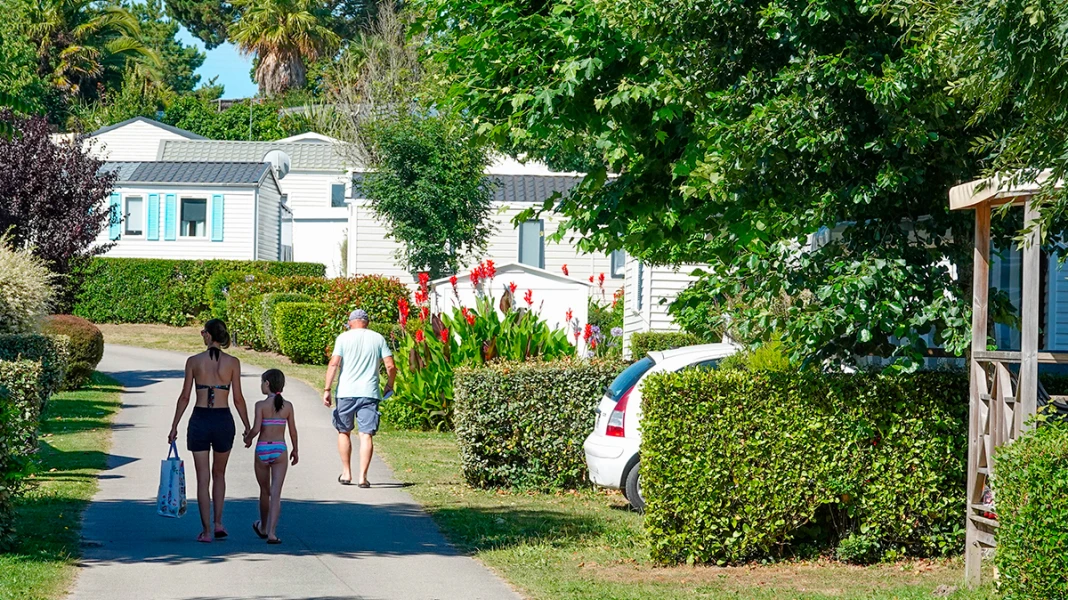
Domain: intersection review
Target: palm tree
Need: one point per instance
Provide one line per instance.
(284, 35)
(81, 43)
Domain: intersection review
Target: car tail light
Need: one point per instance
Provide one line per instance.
(615, 419)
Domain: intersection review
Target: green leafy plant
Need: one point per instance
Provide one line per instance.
(607, 319)
(26, 288)
(20, 410)
(522, 424)
(173, 292)
(268, 303)
(375, 294)
(1031, 495)
(52, 352)
(300, 331)
(642, 343)
(470, 336)
(245, 304)
(86, 346)
(217, 289)
(751, 465)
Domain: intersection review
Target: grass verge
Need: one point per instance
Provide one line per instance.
(582, 545)
(75, 436)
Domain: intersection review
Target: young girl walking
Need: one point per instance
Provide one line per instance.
(273, 414)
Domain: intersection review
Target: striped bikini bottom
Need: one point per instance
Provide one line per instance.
(269, 452)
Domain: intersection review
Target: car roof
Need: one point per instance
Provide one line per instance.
(695, 352)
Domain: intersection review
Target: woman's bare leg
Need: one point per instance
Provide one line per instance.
(218, 490)
(263, 477)
(202, 462)
(278, 477)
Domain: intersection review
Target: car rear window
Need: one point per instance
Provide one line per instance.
(628, 378)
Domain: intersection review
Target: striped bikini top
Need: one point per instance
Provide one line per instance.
(275, 421)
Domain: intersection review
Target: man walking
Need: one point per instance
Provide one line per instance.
(359, 352)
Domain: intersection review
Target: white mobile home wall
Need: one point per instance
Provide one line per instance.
(318, 227)
(135, 141)
(649, 292)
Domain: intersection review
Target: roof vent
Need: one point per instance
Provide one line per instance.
(280, 162)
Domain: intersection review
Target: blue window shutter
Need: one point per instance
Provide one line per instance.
(152, 227)
(640, 284)
(217, 218)
(170, 218)
(1057, 305)
(115, 229)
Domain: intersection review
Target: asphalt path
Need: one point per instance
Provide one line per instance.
(338, 541)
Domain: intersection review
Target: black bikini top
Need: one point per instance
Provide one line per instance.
(211, 392)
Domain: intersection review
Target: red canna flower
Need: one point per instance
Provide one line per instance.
(453, 280)
(600, 280)
(419, 337)
(587, 333)
(529, 297)
(476, 275)
(593, 344)
(512, 286)
(444, 335)
(569, 315)
(490, 269)
(424, 279)
(564, 269)
(591, 278)
(403, 308)
(424, 312)
(421, 296)
(470, 318)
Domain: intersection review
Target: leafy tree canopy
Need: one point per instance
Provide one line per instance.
(179, 62)
(201, 115)
(738, 129)
(427, 186)
(210, 20)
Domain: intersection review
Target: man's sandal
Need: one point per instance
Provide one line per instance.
(259, 532)
(344, 481)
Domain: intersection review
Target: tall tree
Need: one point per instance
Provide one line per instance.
(179, 62)
(738, 129)
(284, 35)
(51, 194)
(210, 20)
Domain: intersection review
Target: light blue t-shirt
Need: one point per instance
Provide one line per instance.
(360, 350)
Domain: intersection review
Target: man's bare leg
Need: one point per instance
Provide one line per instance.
(367, 449)
(344, 449)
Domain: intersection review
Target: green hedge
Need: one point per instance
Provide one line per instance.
(301, 332)
(523, 424)
(739, 466)
(53, 352)
(1031, 495)
(655, 341)
(86, 346)
(267, 306)
(244, 306)
(142, 290)
(20, 412)
(217, 289)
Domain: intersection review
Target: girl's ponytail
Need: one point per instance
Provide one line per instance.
(276, 382)
(279, 402)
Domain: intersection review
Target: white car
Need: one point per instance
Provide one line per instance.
(612, 449)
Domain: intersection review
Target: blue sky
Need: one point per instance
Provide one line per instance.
(232, 68)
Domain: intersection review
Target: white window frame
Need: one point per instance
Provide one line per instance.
(126, 215)
(207, 218)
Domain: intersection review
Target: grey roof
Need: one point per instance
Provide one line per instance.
(219, 173)
(531, 188)
(171, 128)
(305, 156)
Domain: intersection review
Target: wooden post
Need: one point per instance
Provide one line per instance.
(973, 552)
(1028, 392)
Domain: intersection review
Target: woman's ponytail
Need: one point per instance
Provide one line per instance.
(276, 382)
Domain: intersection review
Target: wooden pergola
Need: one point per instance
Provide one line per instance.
(1000, 405)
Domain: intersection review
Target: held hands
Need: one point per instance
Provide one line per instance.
(326, 398)
(248, 440)
(293, 457)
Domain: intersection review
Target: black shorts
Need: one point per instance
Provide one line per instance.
(210, 429)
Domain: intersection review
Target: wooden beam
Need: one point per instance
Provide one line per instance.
(973, 552)
(1030, 291)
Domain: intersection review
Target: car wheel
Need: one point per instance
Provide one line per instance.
(633, 488)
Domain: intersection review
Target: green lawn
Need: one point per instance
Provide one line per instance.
(75, 436)
(585, 544)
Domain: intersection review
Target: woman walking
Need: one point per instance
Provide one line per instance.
(211, 432)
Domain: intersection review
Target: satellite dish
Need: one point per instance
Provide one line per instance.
(280, 162)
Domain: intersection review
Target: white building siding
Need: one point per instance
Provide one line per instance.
(238, 229)
(309, 193)
(371, 251)
(269, 207)
(658, 286)
(319, 241)
(318, 227)
(136, 141)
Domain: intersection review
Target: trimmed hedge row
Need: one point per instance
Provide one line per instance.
(86, 346)
(738, 466)
(1031, 488)
(655, 341)
(301, 333)
(20, 411)
(52, 352)
(523, 424)
(142, 290)
(267, 314)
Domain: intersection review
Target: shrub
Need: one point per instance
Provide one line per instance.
(174, 292)
(244, 305)
(86, 346)
(301, 334)
(217, 289)
(770, 356)
(26, 291)
(267, 306)
(1031, 486)
(523, 424)
(375, 294)
(747, 465)
(52, 352)
(20, 410)
(656, 341)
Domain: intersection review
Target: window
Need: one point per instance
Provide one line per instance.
(135, 215)
(618, 259)
(532, 243)
(626, 380)
(194, 217)
(337, 194)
